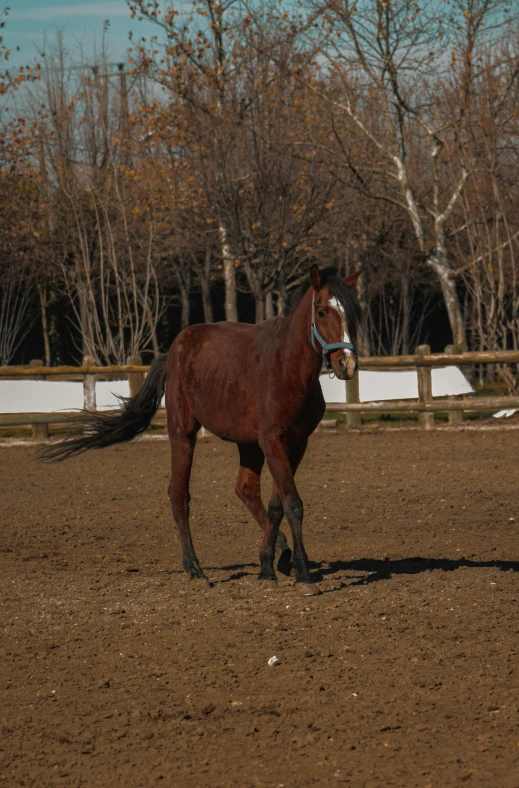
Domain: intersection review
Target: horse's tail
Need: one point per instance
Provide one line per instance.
(94, 430)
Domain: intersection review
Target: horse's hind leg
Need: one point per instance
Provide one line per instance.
(182, 449)
(248, 490)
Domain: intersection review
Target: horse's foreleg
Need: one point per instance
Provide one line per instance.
(282, 465)
(248, 490)
(182, 449)
(272, 537)
(285, 564)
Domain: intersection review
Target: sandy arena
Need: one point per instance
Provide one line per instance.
(114, 671)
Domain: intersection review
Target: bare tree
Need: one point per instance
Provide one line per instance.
(107, 262)
(404, 77)
(195, 66)
(16, 292)
(485, 245)
(273, 195)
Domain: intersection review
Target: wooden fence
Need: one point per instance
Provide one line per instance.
(423, 361)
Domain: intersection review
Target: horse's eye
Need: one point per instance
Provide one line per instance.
(320, 313)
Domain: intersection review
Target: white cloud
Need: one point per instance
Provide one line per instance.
(116, 8)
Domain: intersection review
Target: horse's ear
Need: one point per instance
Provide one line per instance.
(351, 279)
(315, 278)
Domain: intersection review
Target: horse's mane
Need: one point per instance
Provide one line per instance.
(345, 295)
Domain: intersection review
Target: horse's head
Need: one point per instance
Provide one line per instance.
(336, 315)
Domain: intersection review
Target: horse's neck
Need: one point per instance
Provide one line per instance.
(303, 363)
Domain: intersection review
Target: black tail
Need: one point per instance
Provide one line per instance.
(93, 430)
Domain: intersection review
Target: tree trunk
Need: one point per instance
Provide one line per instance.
(438, 263)
(404, 284)
(269, 305)
(153, 330)
(87, 334)
(206, 289)
(282, 299)
(363, 340)
(54, 334)
(206, 301)
(184, 300)
(229, 277)
(260, 308)
(42, 290)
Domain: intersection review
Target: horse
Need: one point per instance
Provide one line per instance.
(256, 386)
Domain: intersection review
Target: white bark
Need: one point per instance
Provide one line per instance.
(450, 295)
(229, 277)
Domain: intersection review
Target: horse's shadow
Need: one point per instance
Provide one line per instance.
(374, 569)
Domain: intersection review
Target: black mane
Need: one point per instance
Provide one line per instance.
(344, 294)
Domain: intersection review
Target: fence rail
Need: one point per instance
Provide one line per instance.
(423, 361)
(73, 372)
(367, 362)
(434, 406)
(451, 359)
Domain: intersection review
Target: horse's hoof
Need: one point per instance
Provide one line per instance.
(268, 582)
(307, 589)
(285, 565)
(200, 582)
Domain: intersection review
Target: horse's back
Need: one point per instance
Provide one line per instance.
(233, 347)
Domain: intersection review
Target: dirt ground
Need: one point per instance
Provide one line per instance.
(114, 671)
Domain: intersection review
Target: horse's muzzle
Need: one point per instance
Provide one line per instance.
(345, 366)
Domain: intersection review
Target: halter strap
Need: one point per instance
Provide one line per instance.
(326, 349)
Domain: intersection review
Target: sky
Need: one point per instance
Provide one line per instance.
(80, 21)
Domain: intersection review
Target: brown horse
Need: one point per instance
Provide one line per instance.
(255, 385)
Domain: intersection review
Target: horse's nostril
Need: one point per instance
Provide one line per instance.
(341, 364)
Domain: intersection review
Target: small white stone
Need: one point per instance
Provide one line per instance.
(511, 519)
(273, 661)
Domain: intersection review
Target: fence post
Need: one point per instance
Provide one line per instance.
(135, 379)
(89, 385)
(352, 395)
(425, 420)
(455, 416)
(40, 432)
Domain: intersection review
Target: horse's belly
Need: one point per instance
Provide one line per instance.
(225, 410)
(236, 430)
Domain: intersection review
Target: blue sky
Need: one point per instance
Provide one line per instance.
(81, 22)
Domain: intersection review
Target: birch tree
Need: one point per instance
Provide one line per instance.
(418, 67)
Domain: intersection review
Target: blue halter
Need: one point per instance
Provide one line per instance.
(325, 349)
